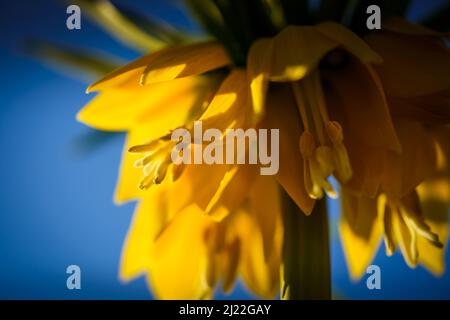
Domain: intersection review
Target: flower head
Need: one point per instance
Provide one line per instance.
(369, 112)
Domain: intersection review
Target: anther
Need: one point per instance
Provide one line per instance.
(307, 145)
(334, 131)
(160, 172)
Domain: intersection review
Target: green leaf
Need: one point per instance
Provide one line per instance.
(158, 28)
(276, 14)
(234, 16)
(247, 20)
(210, 18)
(105, 14)
(87, 64)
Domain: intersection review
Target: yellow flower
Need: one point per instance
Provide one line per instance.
(411, 203)
(331, 94)
(169, 227)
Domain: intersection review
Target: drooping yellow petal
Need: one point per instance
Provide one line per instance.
(412, 66)
(128, 75)
(162, 103)
(261, 276)
(385, 215)
(405, 171)
(215, 238)
(129, 177)
(112, 110)
(230, 264)
(406, 238)
(435, 198)
(297, 51)
(178, 265)
(185, 61)
(350, 41)
(229, 107)
(149, 219)
(360, 231)
(367, 164)
(364, 109)
(431, 257)
(167, 64)
(198, 184)
(231, 192)
(259, 63)
(282, 114)
(265, 208)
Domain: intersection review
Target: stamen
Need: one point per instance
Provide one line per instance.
(413, 252)
(317, 167)
(161, 170)
(146, 147)
(157, 153)
(319, 163)
(154, 154)
(410, 252)
(320, 180)
(405, 215)
(313, 190)
(414, 220)
(142, 162)
(307, 145)
(335, 132)
(149, 169)
(324, 156)
(301, 105)
(342, 161)
(313, 104)
(146, 183)
(318, 93)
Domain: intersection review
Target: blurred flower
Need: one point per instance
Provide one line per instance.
(412, 198)
(371, 111)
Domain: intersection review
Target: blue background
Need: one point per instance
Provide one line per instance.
(56, 192)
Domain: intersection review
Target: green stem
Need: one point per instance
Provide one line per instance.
(306, 253)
